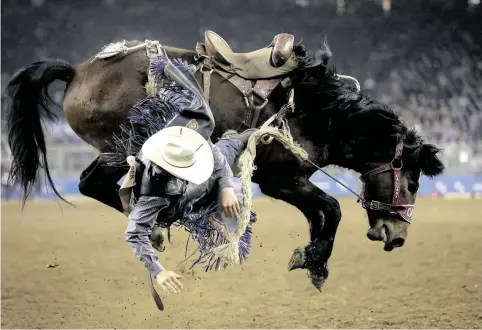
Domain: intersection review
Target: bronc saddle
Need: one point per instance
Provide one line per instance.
(254, 73)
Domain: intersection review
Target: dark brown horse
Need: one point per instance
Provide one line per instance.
(336, 124)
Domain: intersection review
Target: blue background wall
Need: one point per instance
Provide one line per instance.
(452, 185)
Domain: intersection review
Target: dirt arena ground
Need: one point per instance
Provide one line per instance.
(435, 280)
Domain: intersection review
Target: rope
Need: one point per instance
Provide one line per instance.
(229, 253)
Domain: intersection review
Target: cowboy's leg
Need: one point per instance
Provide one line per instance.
(198, 116)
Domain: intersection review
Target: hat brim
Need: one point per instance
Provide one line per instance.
(203, 167)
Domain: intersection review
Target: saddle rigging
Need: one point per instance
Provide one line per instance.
(255, 74)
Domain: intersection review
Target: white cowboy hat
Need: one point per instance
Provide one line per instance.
(181, 151)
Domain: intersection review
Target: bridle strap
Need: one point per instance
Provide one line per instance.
(404, 211)
(378, 170)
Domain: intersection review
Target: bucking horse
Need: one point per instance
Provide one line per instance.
(329, 117)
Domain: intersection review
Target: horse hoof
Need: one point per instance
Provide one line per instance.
(297, 259)
(317, 281)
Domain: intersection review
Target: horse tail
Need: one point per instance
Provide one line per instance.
(27, 104)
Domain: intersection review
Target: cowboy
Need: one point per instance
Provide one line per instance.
(180, 167)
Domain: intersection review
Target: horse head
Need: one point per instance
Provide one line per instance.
(391, 184)
(355, 132)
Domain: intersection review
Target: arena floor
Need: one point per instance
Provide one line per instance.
(435, 280)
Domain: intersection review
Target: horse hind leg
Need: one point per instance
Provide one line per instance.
(323, 214)
(99, 181)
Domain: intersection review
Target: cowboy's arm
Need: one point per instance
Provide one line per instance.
(230, 149)
(225, 153)
(232, 144)
(222, 170)
(229, 200)
(140, 223)
(221, 173)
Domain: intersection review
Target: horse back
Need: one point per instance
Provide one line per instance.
(102, 93)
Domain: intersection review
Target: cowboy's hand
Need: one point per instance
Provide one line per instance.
(229, 202)
(169, 281)
(243, 136)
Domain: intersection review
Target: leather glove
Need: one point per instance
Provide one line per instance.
(159, 238)
(243, 136)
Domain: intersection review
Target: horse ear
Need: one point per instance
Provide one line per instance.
(428, 161)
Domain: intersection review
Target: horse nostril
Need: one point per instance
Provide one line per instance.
(397, 242)
(372, 236)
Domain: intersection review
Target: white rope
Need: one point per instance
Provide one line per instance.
(229, 253)
(290, 104)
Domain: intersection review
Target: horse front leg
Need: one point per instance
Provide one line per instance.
(323, 214)
(99, 181)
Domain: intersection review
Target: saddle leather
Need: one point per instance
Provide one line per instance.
(269, 62)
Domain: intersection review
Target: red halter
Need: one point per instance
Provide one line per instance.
(404, 211)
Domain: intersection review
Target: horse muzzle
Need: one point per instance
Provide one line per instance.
(391, 232)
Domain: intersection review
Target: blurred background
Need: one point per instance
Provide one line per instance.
(423, 58)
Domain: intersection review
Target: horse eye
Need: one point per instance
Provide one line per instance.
(413, 187)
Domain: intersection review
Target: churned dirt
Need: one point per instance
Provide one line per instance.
(96, 282)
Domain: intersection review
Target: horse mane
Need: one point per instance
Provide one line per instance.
(340, 98)
(350, 114)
